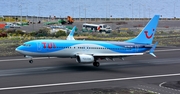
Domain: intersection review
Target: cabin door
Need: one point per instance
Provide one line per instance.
(39, 46)
(136, 48)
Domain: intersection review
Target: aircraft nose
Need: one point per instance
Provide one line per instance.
(18, 49)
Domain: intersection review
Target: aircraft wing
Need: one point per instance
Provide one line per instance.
(113, 55)
(117, 55)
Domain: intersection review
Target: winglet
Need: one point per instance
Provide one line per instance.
(151, 52)
(71, 34)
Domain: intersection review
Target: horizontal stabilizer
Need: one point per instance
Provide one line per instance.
(151, 52)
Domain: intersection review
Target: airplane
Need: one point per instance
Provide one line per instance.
(86, 51)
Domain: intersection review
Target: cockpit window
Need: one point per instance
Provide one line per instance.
(27, 45)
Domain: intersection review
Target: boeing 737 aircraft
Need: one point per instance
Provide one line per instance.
(90, 51)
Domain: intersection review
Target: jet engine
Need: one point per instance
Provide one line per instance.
(85, 59)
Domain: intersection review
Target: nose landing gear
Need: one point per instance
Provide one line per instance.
(30, 58)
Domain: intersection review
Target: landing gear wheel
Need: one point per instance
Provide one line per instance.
(31, 61)
(96, 64)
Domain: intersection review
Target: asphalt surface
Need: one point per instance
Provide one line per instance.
(165, 25)
(60, 74)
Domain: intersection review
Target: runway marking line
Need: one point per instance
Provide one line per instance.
(160, 85)
(25, 59)
(166, 50)
(88, 82)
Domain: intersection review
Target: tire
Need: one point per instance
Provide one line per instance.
(96, 64)
(31, 61)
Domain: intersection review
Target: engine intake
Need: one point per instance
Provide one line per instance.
(85, 58)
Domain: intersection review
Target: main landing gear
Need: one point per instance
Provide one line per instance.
(31, 61)
(96, 64)
(30, 58)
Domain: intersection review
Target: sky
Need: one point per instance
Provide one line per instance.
(92, 8)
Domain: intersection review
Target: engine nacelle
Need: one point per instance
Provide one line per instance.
(85, 59)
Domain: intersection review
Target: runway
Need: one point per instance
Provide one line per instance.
(59, 74)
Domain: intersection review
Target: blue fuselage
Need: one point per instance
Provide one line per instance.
(68, 48)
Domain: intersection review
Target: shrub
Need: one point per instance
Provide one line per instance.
(60, 33)
(171, 32)
(2, 30)
(130, 32)
(19, 32)
(42, 32)
(114, 34)
(3, 34)
(11, 30)
(33, 33)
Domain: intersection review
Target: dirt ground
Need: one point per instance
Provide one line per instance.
(104, 91)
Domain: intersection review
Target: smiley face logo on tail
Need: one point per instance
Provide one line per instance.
(147, 36)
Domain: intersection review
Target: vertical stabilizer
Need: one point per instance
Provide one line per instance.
(147, 34)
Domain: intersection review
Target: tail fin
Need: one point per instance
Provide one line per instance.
(71, 34)
(147, 34)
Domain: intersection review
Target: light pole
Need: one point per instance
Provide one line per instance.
(79, 12)
(38, 17)
(123, 14)
(144, 10)
(85, 14)
(109, 12)
(174, 9)
(10, 12)
(132, 9)
(21, 12)
(73, 9)
(149, 12)
(106, 12)
(139, 11)
(26, 12)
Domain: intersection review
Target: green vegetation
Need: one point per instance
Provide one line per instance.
(61, 21)
(60, 33)
(12, 19)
